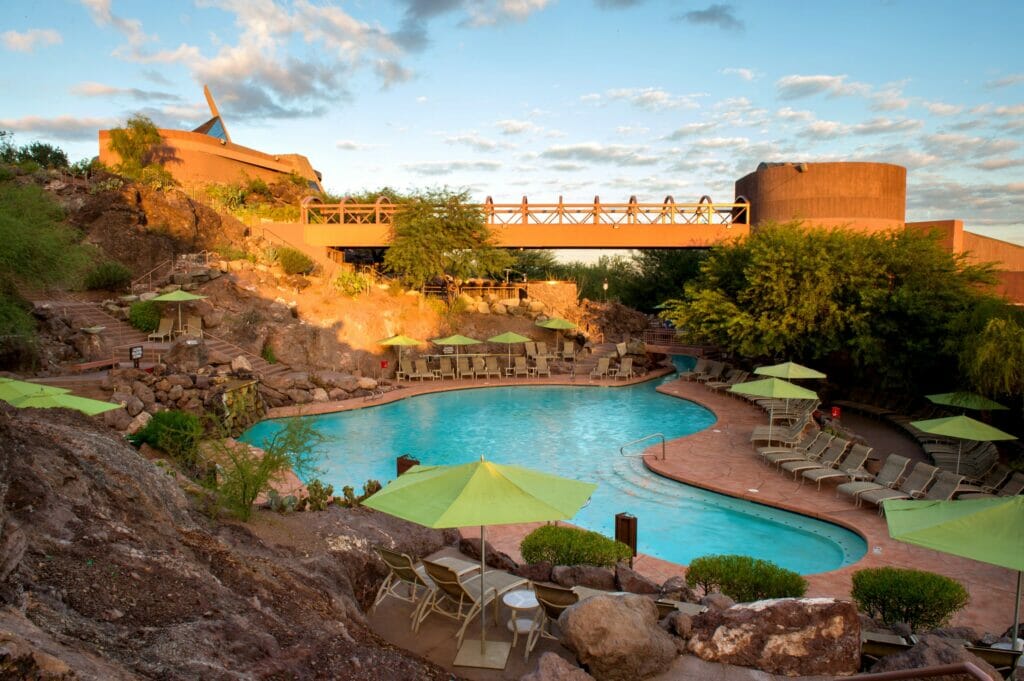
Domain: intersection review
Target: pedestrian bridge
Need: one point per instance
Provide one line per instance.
(546, 225)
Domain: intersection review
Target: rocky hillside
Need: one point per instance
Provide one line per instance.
(108, 572)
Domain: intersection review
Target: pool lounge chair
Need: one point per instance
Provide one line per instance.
(164, 331)
(460, 599)
(406, 580)
(479, 367)
(194, 326)
(569, 351)
(446, 370)
(541, 368)
(491, 367)
(783, 434)
(465, 370)
(1012, 487)
(806, 438)
(625, 369)
(553, 601)
(735, 376)
(852, 467)
(829, 459)
(422, 371)
(988, 483)
(712, 373)
(913, 487)
(405, 370)
(520, 368)
(893, 470)
(542, 349)
(812, 452)
(601, 370)
(699, 368)
(531, 350)
(942, 489)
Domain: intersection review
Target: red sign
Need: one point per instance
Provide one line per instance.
(383, 364)
(836, 413)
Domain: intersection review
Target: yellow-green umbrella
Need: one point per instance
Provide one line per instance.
(558, 325)
(774, 388)
(399, 341)
(480, 493)
(12, 388)
(85, 405)
(509, 338)
(178, 297)
(456, 340)
(965, 400)
(789, 370)
(962, 428)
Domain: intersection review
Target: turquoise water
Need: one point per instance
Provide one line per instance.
(577, 432)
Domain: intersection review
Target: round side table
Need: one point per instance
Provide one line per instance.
(519, 602)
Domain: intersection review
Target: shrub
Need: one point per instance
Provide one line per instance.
(349, 498)
(293, 261)
(923, 600)
(744, 579)
(319, 494)
(268, 354)
(350, 283)
(230, 252)
(108, 276)
(144, 316)
(177, 433)
(570, 546)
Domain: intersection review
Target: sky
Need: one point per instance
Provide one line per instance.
(549, 98)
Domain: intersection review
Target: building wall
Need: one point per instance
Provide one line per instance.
(866, 196)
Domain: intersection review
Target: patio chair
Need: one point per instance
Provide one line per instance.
(569, 351)
(531, 350)
(1013, 487)
(699, 368)
(492, 368)
(913, 487)
(405, 370)
(164, 331)
(406, 581)
(812, 452)
(829, 459)
(479, 367)
(888, 477)
(852, 467)
(553, 601)
(465, 371)
(542, 349)
(460, 599)
(520, 368)
(712, 373)
(806, 438)
(992, 480)
(422, 371)
(621, 349)
(778, 433)
(541, 368)
(601, 370)
(194, 326)
(446, 370)
(942, 489)
(625, 368)
(735, 376)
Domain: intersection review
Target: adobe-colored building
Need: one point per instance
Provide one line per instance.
(206, 155)
(870, 197)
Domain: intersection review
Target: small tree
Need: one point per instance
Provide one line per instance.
(141, 150)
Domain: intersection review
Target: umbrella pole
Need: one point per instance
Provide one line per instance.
(483, 606)
(959, 448)
(1016, 613)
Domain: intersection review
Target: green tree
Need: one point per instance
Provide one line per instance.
(142, 152)
(660, 274)
(993, 360)
(617, 270)
(536, 263)
(46, 155)
(439, 233)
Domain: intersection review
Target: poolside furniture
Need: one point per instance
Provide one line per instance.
(422, 371)
(812, 452)
(520, 368)
(712, 373)
(942, 489)
(553, 601)
(852, 467)
(406, 580)
(541, 367)
(735, 376)
(164, 330)
(479, 367)
(786, 434)
(459, 599)
(620, 349)
(569, 351)
(405, 370)
(195, 326)
(806, 438)
(491, 367)
(1012, 487)
(888, 477)
(625, 368)
(991, 481)
(542, 350)
(601, 370)
(667, 607)
(913, 487)
(446, 369)
(531, 350)
(699, 368)
(829, 459)
(465, 371)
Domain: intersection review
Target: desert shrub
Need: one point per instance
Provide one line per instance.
(349, 498)
(744, 578)
(230, 252)
(293, 261)
(570, 546)
(144, 316)
(18, 343)
(177, 433)
(923, 600)
(350, 283)
(268, 354)
(108, 276)
(319, 494)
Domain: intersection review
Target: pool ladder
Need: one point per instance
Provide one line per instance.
(622, 449)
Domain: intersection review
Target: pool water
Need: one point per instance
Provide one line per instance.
(576, 432)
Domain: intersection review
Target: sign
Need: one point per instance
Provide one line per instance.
(135, 355)
(836, 413)
(383, 364)
(448, 350)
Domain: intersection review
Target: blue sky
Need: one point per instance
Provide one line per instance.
(550, 97)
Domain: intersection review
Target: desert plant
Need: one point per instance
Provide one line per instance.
(349, 498)
(350, 283)
(293, 261)
(319, 494)
(108, 276)
(744, 578)
(570, 546)
(268, 354)
(285, 504)
(144, 316)
(922, 600)
(177, 433)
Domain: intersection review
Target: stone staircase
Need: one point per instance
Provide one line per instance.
(586, 362)
(260, 366)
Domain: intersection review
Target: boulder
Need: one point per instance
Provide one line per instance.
(186, 354)
(537, 306)
(717, 601)
(535, 572)
(791, 636)
(337, 394)
(241, 365)
(279, 382)
(676, 589)
(175, 393)
(336, 379)
(583, 575)
(680, 624)
(483, 308)
(184, 380)
(143, 392)
(930, 651)
(299, 396)
(617, 637)
(118, 419)
(495, 558)
(138, 423)
(551, 667)
(498, 308)
(320, 395)
(133, 405)
(213, 319)
(367, 383)
(628, 579)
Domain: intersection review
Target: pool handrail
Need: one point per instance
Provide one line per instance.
(645, 437)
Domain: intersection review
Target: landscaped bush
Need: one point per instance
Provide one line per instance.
(319, 494)
(923, 600)
(175, 432)
(570, 546)
(350, 283)
(293, 261)
(144, 316)
(108, 276)
(744, 579)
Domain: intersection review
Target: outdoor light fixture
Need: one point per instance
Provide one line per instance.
(605, 287)
(801, 167)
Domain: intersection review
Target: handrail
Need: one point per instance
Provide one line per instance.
(645, 437)
(938, 670)
(149, 275)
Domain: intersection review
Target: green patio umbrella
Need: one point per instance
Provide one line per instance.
(456, 340)
(12, 388)
(558, 325)
(399, 341)
(509, 338)
(962, 428)
(178, 297)
(966, 400)
(85, 405)
(774, 388)
(986, 530)
(788, 370)
(480, 493)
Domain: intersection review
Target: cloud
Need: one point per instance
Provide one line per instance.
(824, 130)
(351, 145)
(721, 142)
(691, 129)
(889, 98)
(954, 146)
(155, 76)
(472, 140)
(567, 166)
(797, 86)
(592, 152)
(999, 163)
(391, 72)
(59, 127)
(412, 33)
(942, 109)
(512, 126)
(885, 126)
(649, 98)
(631, 130)
(617, 4)
(491, 13)
(30, 39)
(1005, 81)
(714, 15)
(92, 89)
(788, 114)
(745, 74)
(103, 16)
(449, 167)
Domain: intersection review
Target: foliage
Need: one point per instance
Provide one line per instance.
(590, 277)
(35, 246)
(349, 498)
(743, 578)
(108, 276)
(231, 252)
(142, 152)
(536, 263)
(279, 504)
(31, 156)
(294, 261)
(177, 433)
(350, 283)
(439, 233)
(922, 600)
(660, 274)
(994, 359)
(561, 545)
(319, 494)
(268, 354)
(18, 347)
(144, 316)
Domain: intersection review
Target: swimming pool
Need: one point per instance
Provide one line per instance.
(576, 431)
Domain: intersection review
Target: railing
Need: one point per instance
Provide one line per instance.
(924, 672)
(668, 212)
(145, 282)
(622, 449)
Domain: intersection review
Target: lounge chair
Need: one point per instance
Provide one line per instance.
(852, 467)
(888, 477)
(778, 433)
(829, 459)
(422, 371)
(712, 373)
(520, 368)
(492, 368)
(460, 599)
(164, 331)
(698, 369)
(601, 370)
(531, 350)
(406, 581)
(812, 452)
(625, 368)
(405, 370)
(569, 351)
(806, 438)
(195, 326)
(942, 489)
(913, 487)
(542, 349)
(541, 368)
(465, 371)
(993, 479)
(620, 349)
(479, 367)
(446, 370)
(1012, 487)
(735, 376)
(553, 601)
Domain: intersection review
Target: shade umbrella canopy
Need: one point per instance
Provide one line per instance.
(399, 341)
(178, 297)
(966, 400)
(986, 530)
(480, 493)
(457, 339)
(557, 324)
(85, 405)
(12, 388)
(789, 370)
(508, 338)
(963, 428)
(775, 388)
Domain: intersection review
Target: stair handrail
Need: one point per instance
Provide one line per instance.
(149, 275)
(937, 670)
(622, 449)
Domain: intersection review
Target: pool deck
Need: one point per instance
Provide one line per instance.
(720, 458)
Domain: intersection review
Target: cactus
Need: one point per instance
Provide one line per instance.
(319, 494)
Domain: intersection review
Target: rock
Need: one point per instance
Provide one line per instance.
(202, 382)
(552, 667)
(583, 575)
(483, 308)
(184, 380)
(299, 396)
(320, 395)
(241, 365)
(337, 394)
(931, 651)
(148, 295)
(717, 601)
(175, 393)
(133, 405)
(335, 379)
(676, 589)
(537, 306)
(120, 397)
(186, 354)
(138, 423)
(495, 558)
(791, 636)
(143, 392)
(961, 633)
(118, 419)
(498, 308)
(367, 383)
(535, 572)
(617, 637)
(628, 579)
(279, 382)
(213, 319)
(680, 624)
